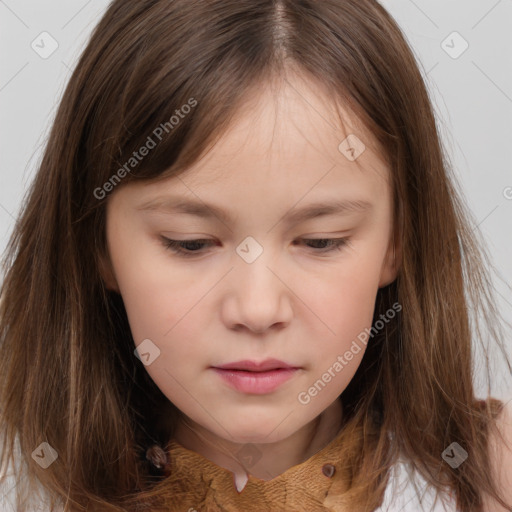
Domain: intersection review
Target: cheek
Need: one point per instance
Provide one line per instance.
(167, 306)
(161, 306)
(345, 300)
(149, 286)
(345, 304)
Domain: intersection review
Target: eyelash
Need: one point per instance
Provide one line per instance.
(176, 246)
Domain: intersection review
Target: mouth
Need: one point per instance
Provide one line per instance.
(256, 378)
(255, 366)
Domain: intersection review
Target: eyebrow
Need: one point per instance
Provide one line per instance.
(172, 205)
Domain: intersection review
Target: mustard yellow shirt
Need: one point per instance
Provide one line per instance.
(196, 484)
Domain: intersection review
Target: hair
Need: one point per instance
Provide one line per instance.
(68, 373)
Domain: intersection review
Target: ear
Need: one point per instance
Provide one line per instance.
(392, 262)
(107, 273)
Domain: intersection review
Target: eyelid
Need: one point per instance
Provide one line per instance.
(336, 244)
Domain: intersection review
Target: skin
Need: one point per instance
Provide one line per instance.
(500, 449)
(294, 302)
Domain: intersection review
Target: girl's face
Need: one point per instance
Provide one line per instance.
(264, 283)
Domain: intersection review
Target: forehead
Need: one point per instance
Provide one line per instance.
(288, 140)
(290, 130)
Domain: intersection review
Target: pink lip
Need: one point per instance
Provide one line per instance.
(254, 366)
(256, 378)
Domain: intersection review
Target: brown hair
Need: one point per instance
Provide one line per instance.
(68, 373)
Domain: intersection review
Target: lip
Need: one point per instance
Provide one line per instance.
(255, 366)
(256, 378)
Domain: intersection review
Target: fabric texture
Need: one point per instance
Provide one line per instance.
(312, 486)
(198, 485)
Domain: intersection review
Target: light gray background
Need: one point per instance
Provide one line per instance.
(472, 95)
(471, 92)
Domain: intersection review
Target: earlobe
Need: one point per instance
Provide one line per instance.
(391, 264)
(107, 273)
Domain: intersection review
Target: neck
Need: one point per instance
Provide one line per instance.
(272, 459)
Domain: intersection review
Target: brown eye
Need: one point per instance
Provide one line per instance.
(185, 247)
(326, 244)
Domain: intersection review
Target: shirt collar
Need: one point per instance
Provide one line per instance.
(305, 486)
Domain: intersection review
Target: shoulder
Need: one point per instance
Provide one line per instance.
(500, 450)
(407, 490)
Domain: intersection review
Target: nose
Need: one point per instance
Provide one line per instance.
(258, 297)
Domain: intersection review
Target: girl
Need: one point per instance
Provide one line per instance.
(243, 278)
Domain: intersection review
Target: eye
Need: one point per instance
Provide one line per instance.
(185, 248)
(189, 248)
(328, 244)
